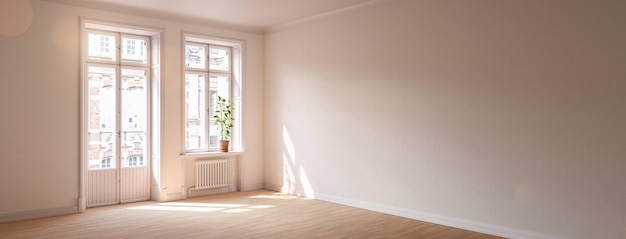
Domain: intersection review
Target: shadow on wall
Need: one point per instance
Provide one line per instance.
(16, 16)
(295, 180)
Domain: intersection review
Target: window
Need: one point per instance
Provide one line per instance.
(136, 160)
(104, 44)
(212, 69)
(130, 47)
(117, 69)
(106, 162)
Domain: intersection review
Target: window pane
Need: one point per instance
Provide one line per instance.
(101, 47)
(195, 108)
(101, 117)
(219, 59)
(195, 57)
(134, 50)
(219, 86)
(134, 110)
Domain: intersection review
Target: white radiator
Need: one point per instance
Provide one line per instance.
(211, 174)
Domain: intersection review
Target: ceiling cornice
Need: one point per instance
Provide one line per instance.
(325, 15)
(163, 16)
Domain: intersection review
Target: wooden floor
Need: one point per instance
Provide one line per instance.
(255, 214)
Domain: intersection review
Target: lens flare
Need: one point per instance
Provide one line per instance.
(16, 16)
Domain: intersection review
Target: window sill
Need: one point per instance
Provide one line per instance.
(211, 154)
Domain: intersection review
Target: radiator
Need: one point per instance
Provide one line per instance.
(211, 174)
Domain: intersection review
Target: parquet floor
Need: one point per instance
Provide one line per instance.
(255, 214)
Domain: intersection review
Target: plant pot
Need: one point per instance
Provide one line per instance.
(224, 145)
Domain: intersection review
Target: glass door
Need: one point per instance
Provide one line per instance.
(135, 185)
(117, 119)
(103, 143)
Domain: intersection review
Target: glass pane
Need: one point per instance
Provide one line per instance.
(101, 47)
(195, 108)
(195, 57)
(134, 116)
(219, 86)
(134, 50)
(101, 117)
(219, 59)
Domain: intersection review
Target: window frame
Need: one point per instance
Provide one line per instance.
(234, 72)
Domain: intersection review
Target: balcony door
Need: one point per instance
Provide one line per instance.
(117, 78)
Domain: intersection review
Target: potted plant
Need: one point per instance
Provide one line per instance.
(224, 121)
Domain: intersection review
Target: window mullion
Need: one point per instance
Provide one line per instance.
(118, 48)
(118, 101)
(118, 115)
(210, 109)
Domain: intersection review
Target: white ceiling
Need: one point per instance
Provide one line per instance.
(255, 15)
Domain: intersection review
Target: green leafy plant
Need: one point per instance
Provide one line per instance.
(224, 117)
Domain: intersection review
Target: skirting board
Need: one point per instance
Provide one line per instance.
(251, 186)
(48, 212)
(206, 192)
(273, 187)
(422, 216)
(174, 196)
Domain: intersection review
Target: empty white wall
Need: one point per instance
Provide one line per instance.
(39, 102)
(39, 109)
(501, 116)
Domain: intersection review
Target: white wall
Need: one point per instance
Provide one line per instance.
(39, 101)
(500, 116)
(39, 120)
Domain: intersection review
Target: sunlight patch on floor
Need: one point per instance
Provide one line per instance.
(262, 206)
(209, 207)
(275, 196)
(237, 210)
(177, 208)
(189, 204)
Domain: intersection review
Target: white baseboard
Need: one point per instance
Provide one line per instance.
(251, 186)
(206, 192)
(490, 229)
(174, 196)
(48, 212)
(273, 187)
(292, 191)
(437, 219)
